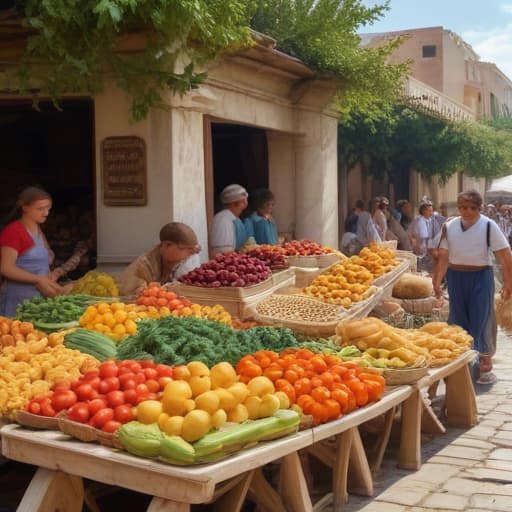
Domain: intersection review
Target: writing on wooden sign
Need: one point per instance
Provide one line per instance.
(124, 171)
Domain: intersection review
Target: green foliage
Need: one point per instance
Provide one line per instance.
(402, 139)
(74, 45)
(323, 34)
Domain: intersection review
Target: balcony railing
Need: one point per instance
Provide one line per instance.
(433, 102)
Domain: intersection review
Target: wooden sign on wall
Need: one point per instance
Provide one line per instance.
(123, 161)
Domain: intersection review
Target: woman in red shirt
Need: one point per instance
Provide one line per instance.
(24, 261)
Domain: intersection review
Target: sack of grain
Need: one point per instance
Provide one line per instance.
(413, 286)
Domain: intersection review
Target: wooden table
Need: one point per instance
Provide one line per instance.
(63, 462)
(460, 407)
(347, 451)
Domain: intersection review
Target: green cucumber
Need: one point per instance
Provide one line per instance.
(55, 327)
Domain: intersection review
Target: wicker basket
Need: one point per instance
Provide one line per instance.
(80, 431)
(27, 419)
(410, 257)
(397, 377)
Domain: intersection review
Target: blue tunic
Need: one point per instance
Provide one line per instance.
(263, 230)
(36, 261)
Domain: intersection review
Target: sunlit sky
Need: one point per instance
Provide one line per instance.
(484, 24)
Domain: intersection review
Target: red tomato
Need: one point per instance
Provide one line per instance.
(113, 383)
(102, 416)
(151, 373)
(130, 396)
(63, 400)
(91, 374)
(152, 385)
(85, 392)
(140, 377)
(34, 407)
(124, 377)
(111, 426)
(62, 385)
(135, 366)
(79, 412)
(142, 392)
(147, 363)
(115, 398)
(108, 369)
(103, 387)
(164, 370)
(94, 382)
(96, 405)
(46, 408)
(123, 413)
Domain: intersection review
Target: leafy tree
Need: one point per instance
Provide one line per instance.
(405, 139)
(323, 34)
(73, 47)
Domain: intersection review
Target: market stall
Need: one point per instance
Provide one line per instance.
(168, 376)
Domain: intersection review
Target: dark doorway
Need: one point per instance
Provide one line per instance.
(53, 149)
(239, 155)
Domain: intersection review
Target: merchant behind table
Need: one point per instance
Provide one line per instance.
(228, 232)
(174, 256)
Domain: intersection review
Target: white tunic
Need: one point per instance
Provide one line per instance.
(469, 246)
(223, 230)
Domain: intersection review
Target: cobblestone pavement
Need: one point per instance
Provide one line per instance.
(469, 470)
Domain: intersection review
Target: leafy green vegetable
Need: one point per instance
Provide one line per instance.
(174, 341)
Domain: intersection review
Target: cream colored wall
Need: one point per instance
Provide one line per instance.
(497, 83)
(125, 232)
(454, 67)
(281, 157)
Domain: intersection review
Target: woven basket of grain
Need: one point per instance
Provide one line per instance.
(413, 286)
(27, 419)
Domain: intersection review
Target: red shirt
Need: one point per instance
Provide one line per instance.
(16, 236)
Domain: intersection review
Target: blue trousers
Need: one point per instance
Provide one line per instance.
(472, 306)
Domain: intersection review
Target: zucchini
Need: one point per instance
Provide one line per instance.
(55, 326)
(91, 342)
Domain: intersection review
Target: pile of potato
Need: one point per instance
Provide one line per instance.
(342, 284)
(435, 344)
(378, 259)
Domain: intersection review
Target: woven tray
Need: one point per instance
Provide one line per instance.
(397, 377)
(196, 293)
(86, 433)
(27, 419)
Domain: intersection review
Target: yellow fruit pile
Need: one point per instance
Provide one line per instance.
(216, 313)
(31, 368)
(117, 320)
(343, 284)
(378, 259)
(95, 283)
(200, 398)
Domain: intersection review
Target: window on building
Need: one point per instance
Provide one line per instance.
(429, 51)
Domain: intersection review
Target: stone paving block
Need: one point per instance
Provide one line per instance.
(504, 434)
(435, 473)
(481, 432)
(468, 487)
(378, 506)
(489, 474)
(504, 465)
(501, 442)
(491, 503)
(492, 423)
(506, 426)
(501, 454)
(473, 443)
(463, 452)
(452, 461)
(498, 416)
(445, 501)
(402, 496)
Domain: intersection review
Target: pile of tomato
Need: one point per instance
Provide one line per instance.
(323, 385)
(158, 296)
(107, 397)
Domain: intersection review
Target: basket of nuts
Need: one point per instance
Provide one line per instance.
(302, 314)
